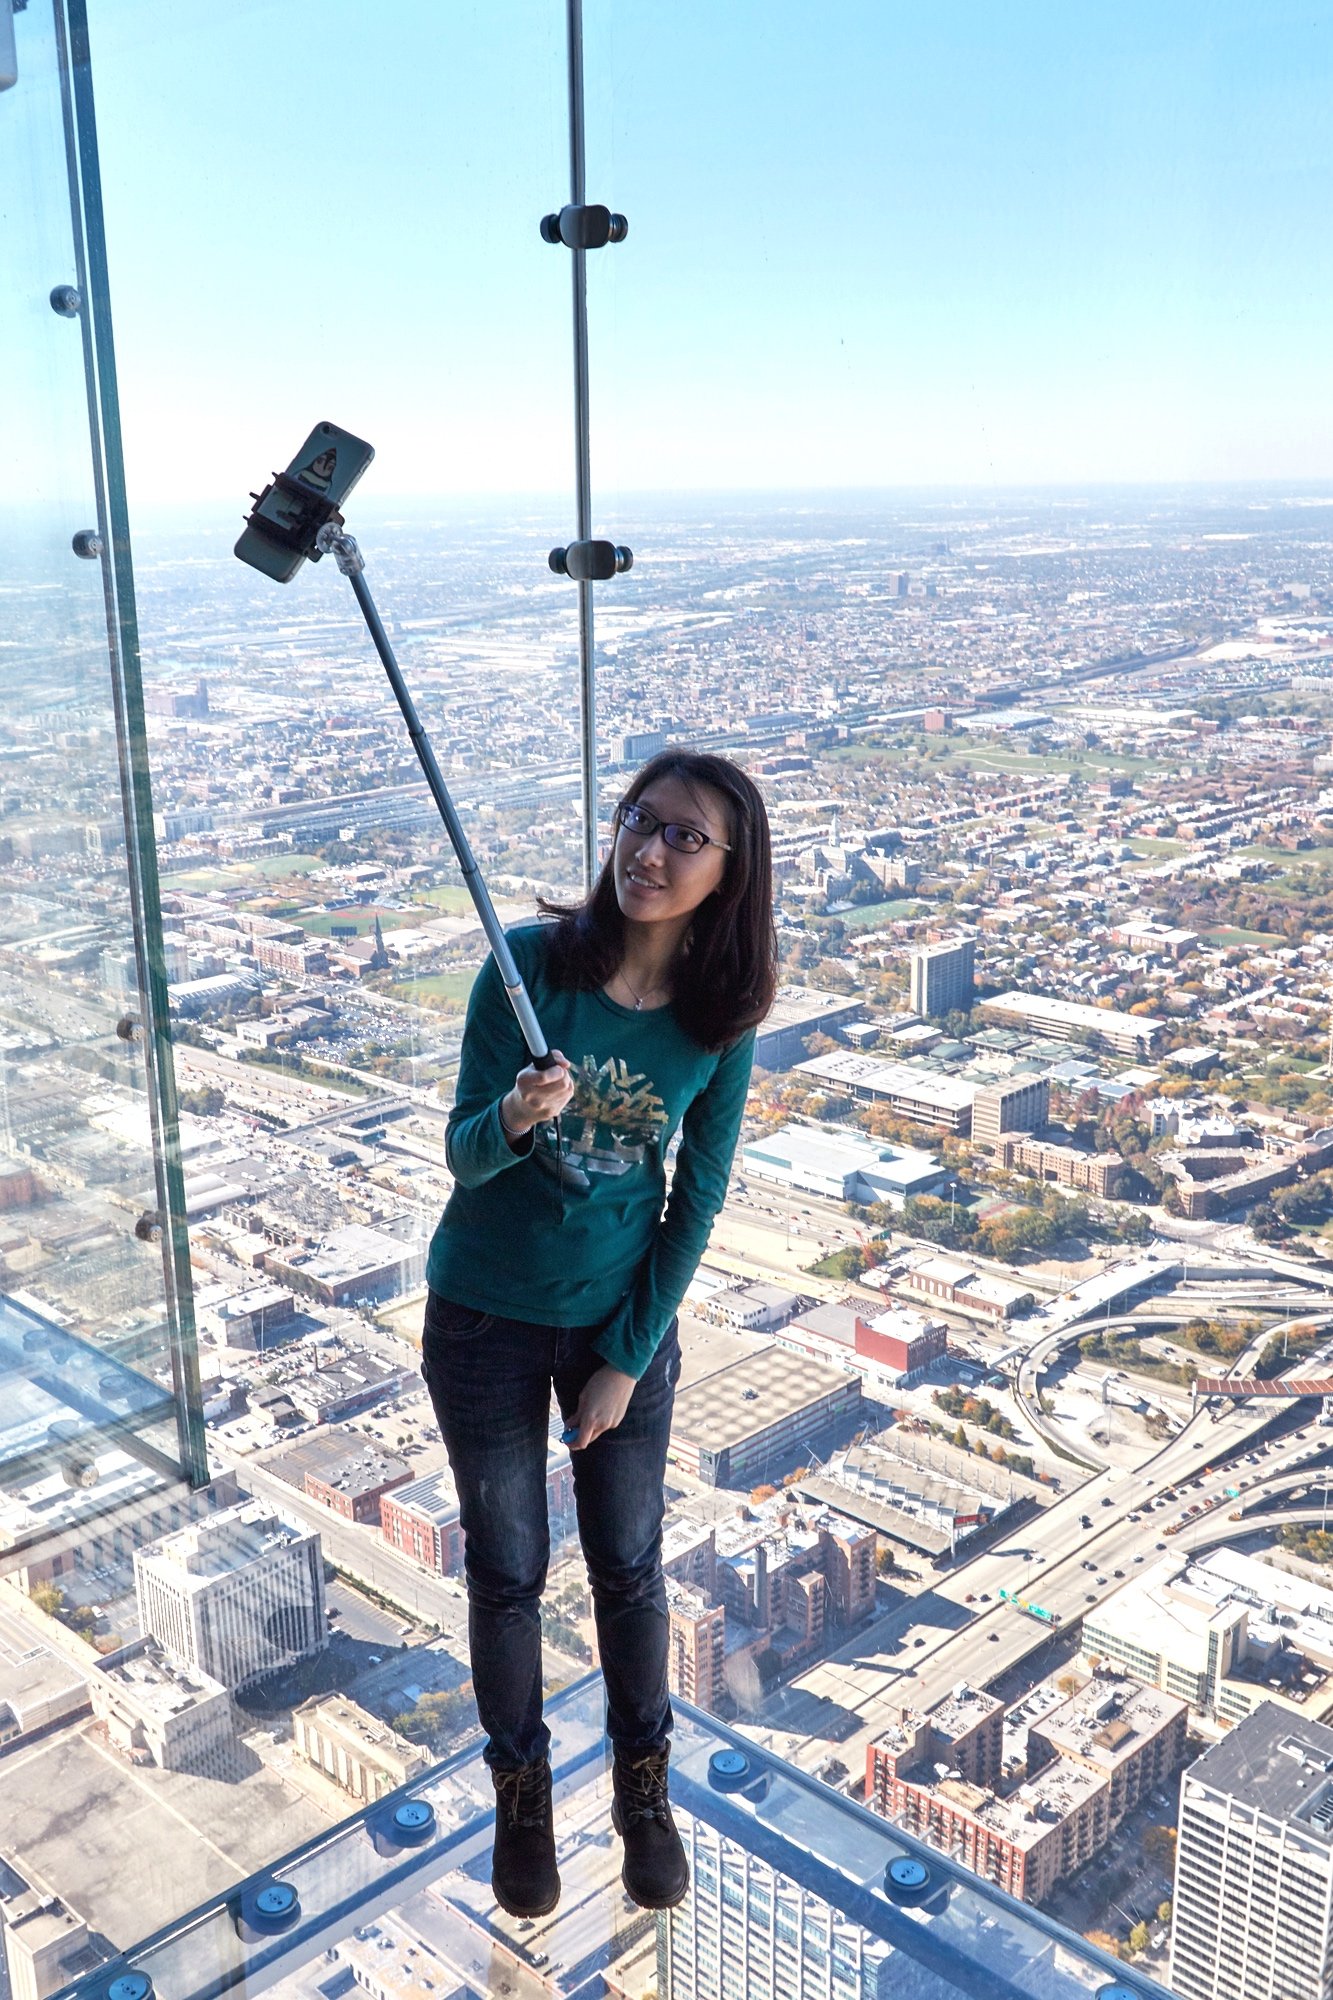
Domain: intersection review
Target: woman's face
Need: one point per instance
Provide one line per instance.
(656, 883)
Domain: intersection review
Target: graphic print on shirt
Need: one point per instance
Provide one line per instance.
(609, 1125)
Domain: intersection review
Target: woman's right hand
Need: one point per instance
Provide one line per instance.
(538, 1094)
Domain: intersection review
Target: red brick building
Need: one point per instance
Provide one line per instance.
(903, 1341)
(356, 1487)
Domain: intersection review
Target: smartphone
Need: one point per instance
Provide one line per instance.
(326, 467)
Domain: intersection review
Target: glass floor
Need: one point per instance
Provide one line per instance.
(795, 1891)
(81, 1431)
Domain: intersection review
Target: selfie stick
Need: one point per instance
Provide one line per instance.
(296, 520)
(333, 540)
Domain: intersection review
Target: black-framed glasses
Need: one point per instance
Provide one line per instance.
(685, 839)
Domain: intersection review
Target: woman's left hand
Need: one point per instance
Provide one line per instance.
(602, 1405)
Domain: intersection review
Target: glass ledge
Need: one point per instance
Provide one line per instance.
(76, 1424)
(794, 1890)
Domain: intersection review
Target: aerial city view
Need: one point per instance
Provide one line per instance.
(998, 1479)
(894, 448)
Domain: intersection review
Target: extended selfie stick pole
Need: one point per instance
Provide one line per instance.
(333, 540)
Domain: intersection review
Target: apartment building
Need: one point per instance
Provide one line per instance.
(746, 1929)
(1022, 1104)
(696, 1656)
(943, 976)
(1099, 1174)
(1062, 1020)
(1253, 1895)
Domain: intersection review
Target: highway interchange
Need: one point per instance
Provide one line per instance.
(1109, 1523)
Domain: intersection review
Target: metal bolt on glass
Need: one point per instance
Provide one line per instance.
(66, 300)
(87, 543)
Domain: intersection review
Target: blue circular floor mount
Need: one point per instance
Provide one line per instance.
(275, 1907)
(130, 1986)
(413, 1822)
(907, 1880)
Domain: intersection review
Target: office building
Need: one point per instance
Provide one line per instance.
(1227, 1634)
(797, 1013)
(909, 1090)
(1062, 1020)
(354, 1484)
(745, 1929)
(841, 1165)
(1021, 1104)
(754, 1418)
(637, 745)
(355, 1265)
(422, 1518)
(153, 1710)
(1253, 1897)
(1099, 1174)
(360, 1754)
(46, 1943)
(901, 1343)
(973, 1293)
(237, 1596)
(943, 976)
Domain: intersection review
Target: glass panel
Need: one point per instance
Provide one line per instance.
(784, 1872)
(94, 1331)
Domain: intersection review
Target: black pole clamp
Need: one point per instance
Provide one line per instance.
(584, 226)
(591, 562)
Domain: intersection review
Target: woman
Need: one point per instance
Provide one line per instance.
(554, 1264)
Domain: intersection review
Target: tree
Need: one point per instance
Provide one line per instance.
(1159, 1847)
(437, 1719)
(48, 1598)
(1138, 1937)
(1164, 1909)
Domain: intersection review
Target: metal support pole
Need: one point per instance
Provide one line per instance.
(582, 447)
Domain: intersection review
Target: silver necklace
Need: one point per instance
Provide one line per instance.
(639, 998)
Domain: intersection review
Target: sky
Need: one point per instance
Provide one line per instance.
(958, 244)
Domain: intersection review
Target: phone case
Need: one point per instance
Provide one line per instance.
(328, 465)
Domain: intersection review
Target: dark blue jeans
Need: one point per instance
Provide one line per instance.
(490, 1382)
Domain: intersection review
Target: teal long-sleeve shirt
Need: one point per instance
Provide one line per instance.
(575, 1233)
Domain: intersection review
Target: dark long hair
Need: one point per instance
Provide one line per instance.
(727, 976)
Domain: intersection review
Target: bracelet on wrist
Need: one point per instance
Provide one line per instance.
(505, 1126)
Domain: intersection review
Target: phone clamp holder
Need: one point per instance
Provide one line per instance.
(305, 513)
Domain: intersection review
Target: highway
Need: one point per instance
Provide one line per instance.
(958, 1630)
